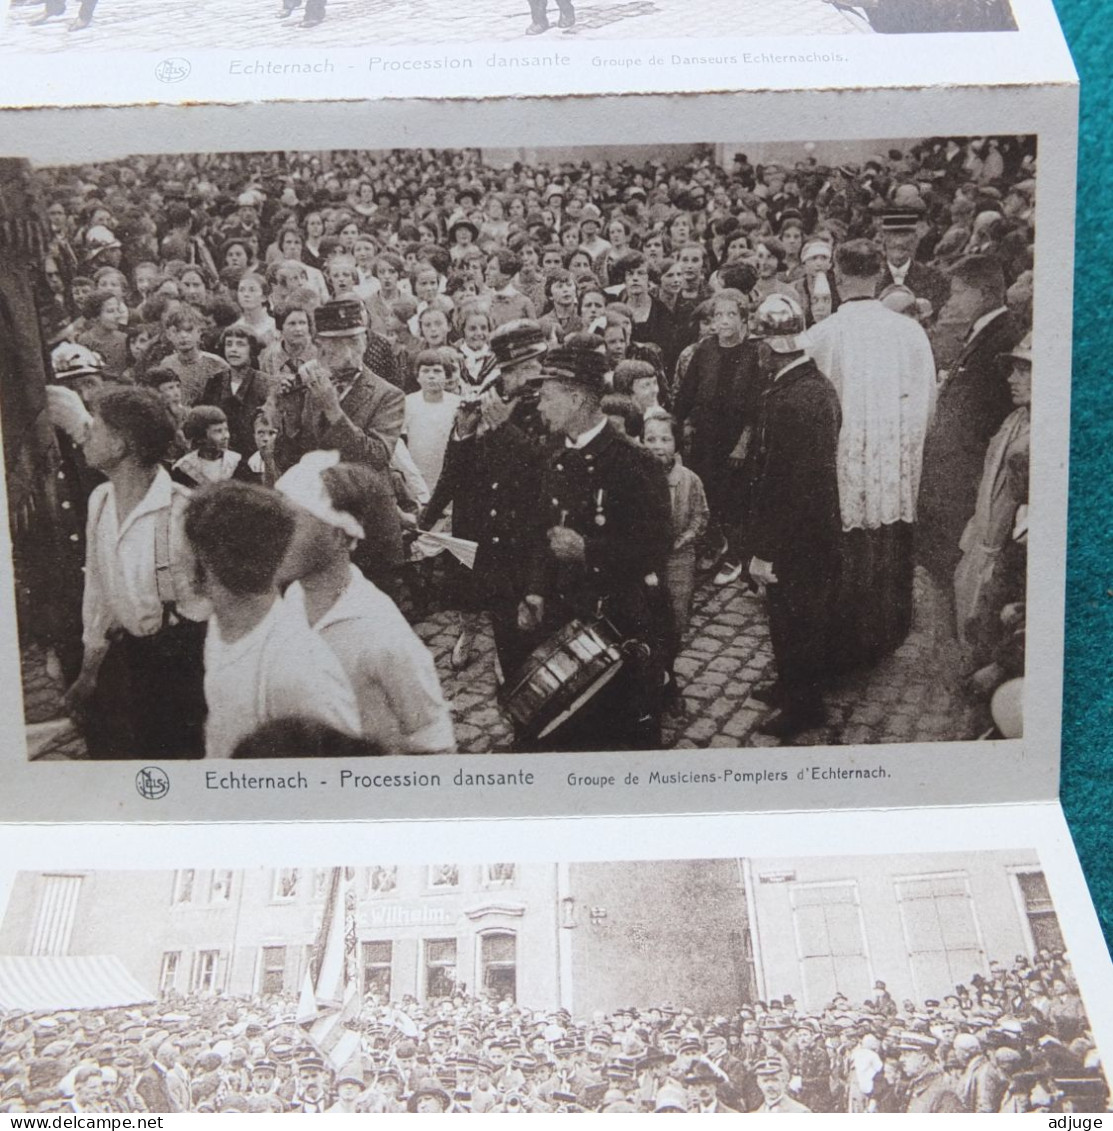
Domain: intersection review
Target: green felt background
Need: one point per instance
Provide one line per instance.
(1087, 788)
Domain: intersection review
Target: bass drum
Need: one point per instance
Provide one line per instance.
(561, 676)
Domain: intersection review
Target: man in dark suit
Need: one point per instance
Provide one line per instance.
(607, 535)
(335, 403)
(899, 238)
(973, 403)
(491, 476)
(795, 522)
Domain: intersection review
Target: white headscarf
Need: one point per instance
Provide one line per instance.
(303, 485)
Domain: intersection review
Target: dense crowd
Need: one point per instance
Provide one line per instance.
(607, 380)
(1013, 1041)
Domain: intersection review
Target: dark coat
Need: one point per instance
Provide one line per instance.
(972, 407)
(493, 482)
(240, 407)
(720, 397)
(923, 281)
(795, 521)
(616, 497)
(796, 524)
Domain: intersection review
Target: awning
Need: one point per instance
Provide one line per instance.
(44, 982)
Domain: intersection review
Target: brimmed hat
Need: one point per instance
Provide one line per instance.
(428, 1088)
(518, 341)
(704, 1072)
(99, 239)
(582, 367)
(770, 1066)
(1022, 351)
(917, 1042)
(70, 361)
(779, 319)
(899, 220)
(340, 318)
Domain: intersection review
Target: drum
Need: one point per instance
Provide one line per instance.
(561, 676)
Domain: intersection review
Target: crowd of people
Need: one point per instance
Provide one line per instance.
(1017, 1040)
(281, 383)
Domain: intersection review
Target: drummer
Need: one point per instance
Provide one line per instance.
(603, 553)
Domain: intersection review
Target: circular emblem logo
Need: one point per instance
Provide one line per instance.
(152, 783)
(172, 70)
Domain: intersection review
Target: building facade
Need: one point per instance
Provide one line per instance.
(711, 935)
(920, 923)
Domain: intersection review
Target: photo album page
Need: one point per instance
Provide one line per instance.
(518, 602)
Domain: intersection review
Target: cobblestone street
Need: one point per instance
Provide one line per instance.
(158, 25)
(912, 696)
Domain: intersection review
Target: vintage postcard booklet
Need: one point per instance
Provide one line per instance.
(610, 425)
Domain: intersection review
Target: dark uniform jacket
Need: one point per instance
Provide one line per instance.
(972, 407)
(616, 497)
(493, 482)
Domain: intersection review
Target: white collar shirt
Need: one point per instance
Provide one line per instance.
(900, 273)
(981, 323)
(585, 438)
(120, 587)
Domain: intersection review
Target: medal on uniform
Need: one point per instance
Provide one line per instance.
(600, 517)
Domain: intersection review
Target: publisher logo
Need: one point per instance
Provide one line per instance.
(172, 70)
(152, 783)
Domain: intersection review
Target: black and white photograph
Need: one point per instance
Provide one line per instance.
(52, 26)
(519, 450)
(927, 982)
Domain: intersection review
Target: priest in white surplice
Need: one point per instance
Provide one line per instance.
(882, 367)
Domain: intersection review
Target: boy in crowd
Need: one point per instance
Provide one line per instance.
(183, 326)
(260, 467)
(262, 661)
(401, 707)
(168, 385)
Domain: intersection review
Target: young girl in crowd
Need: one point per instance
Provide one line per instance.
(562, 316)
(474, 345)
(690, 516)
(241, 390)
(251, 297)
(430, 414)
(210, 460)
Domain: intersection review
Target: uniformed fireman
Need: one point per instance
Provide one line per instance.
(607, 535)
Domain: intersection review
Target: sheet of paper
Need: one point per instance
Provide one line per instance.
(684, 948)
